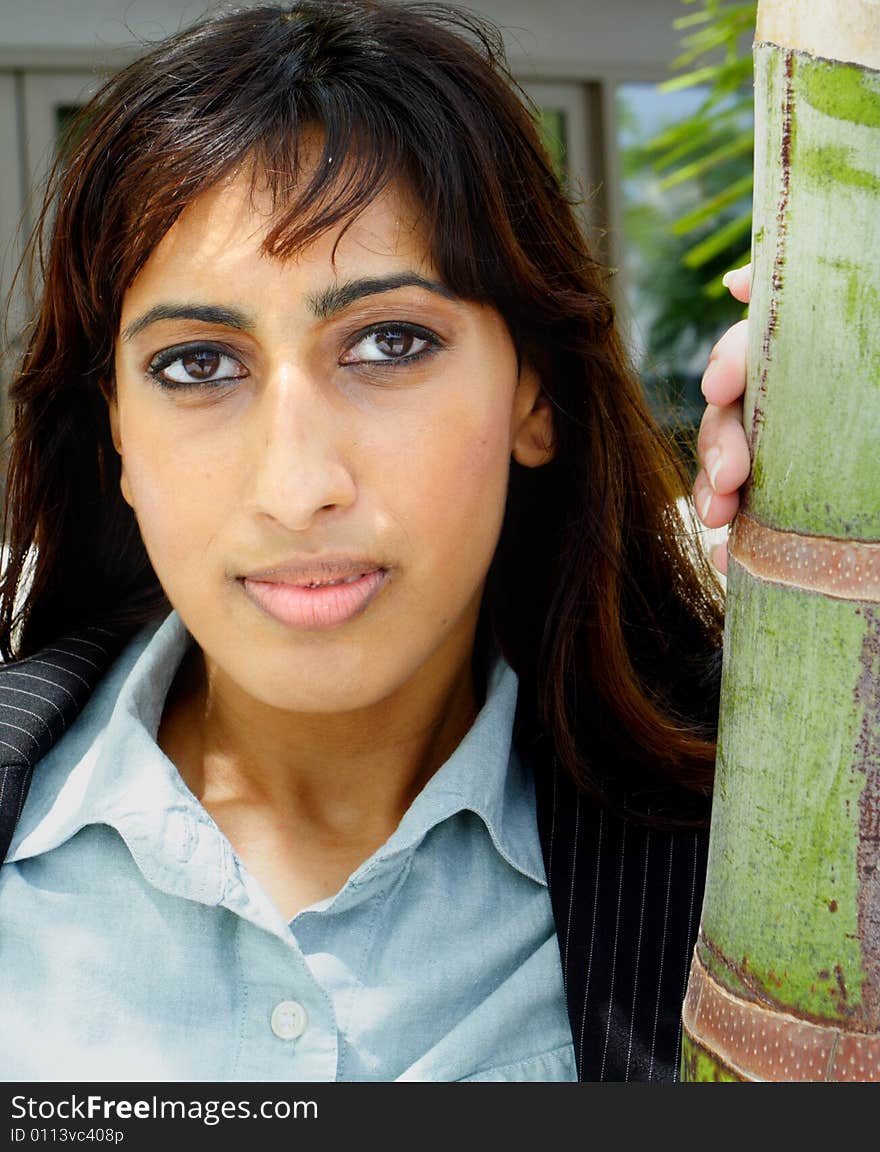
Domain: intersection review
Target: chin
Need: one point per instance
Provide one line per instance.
(322, 685)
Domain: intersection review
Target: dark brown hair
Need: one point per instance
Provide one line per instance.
(597, 595)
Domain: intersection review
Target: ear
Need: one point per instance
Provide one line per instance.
(116, 436)
(532, 438)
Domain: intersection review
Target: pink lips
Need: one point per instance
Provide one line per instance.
(316, 599)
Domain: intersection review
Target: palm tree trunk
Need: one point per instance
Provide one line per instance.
(785, 981)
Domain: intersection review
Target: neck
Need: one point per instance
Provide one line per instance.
(349, 775)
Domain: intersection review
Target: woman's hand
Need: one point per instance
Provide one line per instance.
(722, 446)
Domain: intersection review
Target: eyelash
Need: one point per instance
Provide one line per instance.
(400, 327)
(169, 356)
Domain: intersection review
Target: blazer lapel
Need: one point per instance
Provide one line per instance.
(40, 697)
(626, 901)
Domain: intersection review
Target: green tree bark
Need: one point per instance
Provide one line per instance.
(785, 981)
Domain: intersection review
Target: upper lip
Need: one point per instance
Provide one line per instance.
(317, 570)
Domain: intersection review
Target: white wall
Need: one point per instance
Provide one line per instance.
(589, 32)
(600, 34)
(90, 23)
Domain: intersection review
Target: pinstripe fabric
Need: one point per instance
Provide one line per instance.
(626, 900)
(39, 698)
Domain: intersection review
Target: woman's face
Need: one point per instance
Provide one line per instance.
(285, 426)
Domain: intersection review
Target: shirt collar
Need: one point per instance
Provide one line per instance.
(105, 779)
(484, 775)
(114, 779)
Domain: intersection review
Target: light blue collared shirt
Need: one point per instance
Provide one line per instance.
(135, 945)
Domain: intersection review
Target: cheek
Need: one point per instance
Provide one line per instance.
(176, 494)
(455, 486)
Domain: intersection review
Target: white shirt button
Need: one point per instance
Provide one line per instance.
(289, 1020)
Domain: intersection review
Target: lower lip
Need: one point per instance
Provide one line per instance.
(315, 609)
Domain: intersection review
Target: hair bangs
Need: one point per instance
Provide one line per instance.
(325, 132)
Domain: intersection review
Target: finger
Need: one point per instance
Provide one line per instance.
(725, 377)
(739, 282)
(718, 556)
(723, 449)
(714, 509)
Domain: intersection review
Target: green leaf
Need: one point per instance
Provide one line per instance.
(689, 21)
(715, 244)
(738, 147)
(706, 40)
(692, 136)
(711, 207)
(696, 175)
(704, 122)
(692, 79)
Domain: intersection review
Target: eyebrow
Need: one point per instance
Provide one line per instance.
(339, 296)
(323, 304)
(206, 313)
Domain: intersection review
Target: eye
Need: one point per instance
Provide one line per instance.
(391, 343)
(192, 365)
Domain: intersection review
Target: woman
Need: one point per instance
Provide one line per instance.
(325, 423)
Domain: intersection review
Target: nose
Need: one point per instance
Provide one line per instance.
(299, 451)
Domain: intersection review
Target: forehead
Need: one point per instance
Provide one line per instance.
(219, 238)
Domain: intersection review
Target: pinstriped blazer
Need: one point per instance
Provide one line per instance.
(626, 900)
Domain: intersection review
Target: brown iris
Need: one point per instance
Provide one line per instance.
(394, 342)
(201, 365)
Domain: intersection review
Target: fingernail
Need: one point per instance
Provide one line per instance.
(729, 275)
(713, 463)
(703, 505)
(706, 375)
